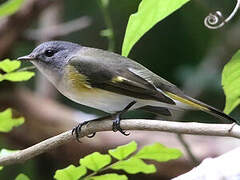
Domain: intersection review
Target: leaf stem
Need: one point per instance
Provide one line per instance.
(104, 169)
(111, 38)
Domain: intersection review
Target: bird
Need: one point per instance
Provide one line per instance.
(110, 82)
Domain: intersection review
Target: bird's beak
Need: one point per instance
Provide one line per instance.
(29, 57)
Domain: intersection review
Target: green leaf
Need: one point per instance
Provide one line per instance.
(122, 152)
(231, 83)
(134, 165)
(10, 7)
(5, 152)
(8, 66)
(70, 173)
(1, 77)
(95, 161)
(110, 176)
(22, 177)
(7, 122)
(150, 12)
(18, 76)
(158, 152)
(105, 3)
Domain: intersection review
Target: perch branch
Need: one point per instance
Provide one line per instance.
(227, 130)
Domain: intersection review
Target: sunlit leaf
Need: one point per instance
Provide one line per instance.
(22, 177)
(95, 161)
(105, 3)
(1, 77)
(18, 76)
(110, 176)
(8, 66)
(121, 152)
(70, 173)
(10, 7)
(231, 83)
(134, 165)
(158, 152)
(149, 13)
(7, 122)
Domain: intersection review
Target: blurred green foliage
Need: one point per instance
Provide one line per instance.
(126, 160)
(10, 67)
(22, 177)
(7, 122)
(231, 83)
(10, 7)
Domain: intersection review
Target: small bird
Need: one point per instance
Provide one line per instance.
(110, 82)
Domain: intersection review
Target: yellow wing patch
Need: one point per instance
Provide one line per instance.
(77, 80)
(186, 101)
(118, 79)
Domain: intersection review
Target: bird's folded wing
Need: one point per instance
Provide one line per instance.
(116, 78)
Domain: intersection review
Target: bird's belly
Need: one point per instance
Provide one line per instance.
(99, 99)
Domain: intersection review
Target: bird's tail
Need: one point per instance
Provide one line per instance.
(202, 106)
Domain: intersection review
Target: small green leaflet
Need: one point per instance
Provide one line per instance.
(134, 165)
(9, 68)
(158, 152)
(110, 176)
(70, 173)
(95, 161)
(231, 83)
(18, 76)
(150, 12)
(122, 152)
(22, 177)
(7, 122)
(10, 7)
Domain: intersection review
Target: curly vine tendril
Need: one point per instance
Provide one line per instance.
(216, 20)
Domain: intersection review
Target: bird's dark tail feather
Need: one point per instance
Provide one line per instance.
(203, 107)
(213, 111)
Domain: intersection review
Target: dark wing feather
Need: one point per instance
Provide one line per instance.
(113, 75)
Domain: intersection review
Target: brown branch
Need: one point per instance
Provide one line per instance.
(58, 30)
(131, 124)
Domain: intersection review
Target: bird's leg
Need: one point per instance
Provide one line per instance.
(116, 122)
(76, 131)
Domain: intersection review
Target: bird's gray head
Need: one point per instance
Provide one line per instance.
(50, 57)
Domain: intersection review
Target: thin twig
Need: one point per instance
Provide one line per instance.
(59, 30)
(187, 148)
(130, 124)
(108, 22)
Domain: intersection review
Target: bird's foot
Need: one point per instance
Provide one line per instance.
(77, 130)
(116, 122)
(116, 125)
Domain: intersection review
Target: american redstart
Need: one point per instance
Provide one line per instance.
(110, 82)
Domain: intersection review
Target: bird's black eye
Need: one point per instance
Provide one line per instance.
(49, 53)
